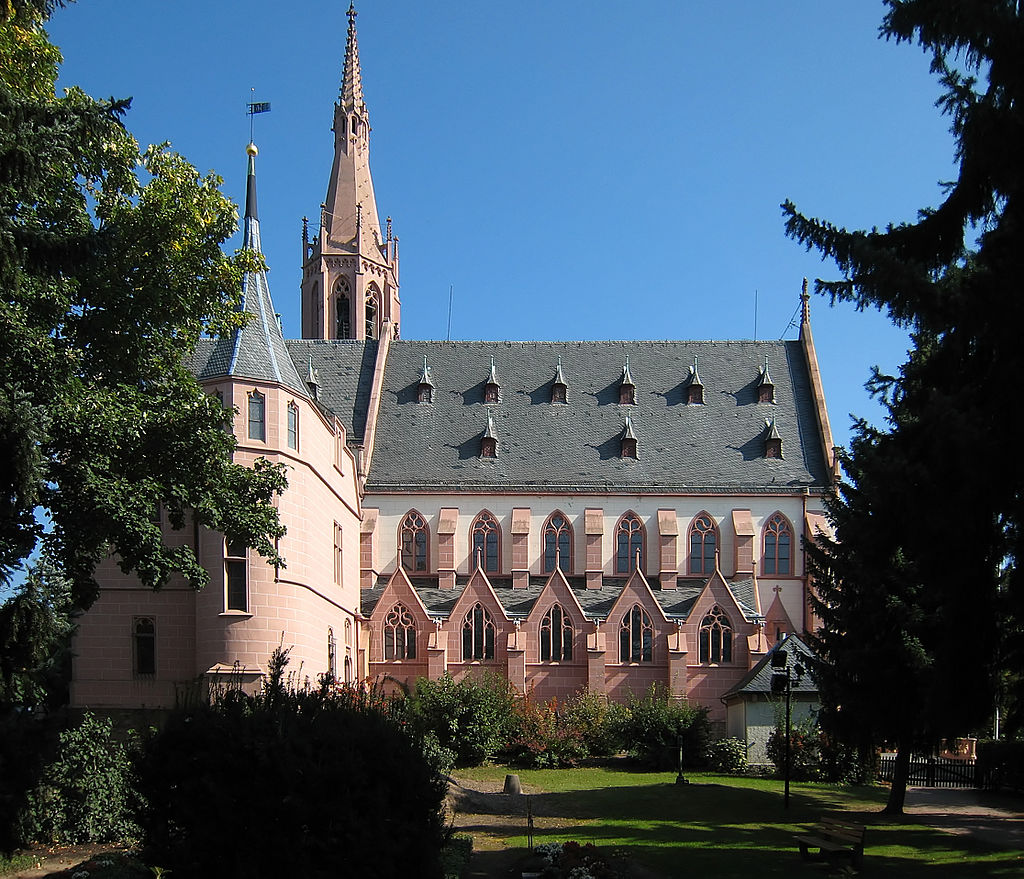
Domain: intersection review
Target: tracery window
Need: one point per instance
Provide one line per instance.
(413, 539)
(556, 634)
(636, 636)
(486, 544)
(557, 544)
(257, 417)
(777, 558)
(477, 634)
(144, 648)
(629, 544)
(399, 634)
(342, 309)
(715, 637)
(703, 543)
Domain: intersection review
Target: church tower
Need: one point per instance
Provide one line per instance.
(349, 268)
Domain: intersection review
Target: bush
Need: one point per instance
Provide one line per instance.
(653, 725)
(87, 794)
(594, 718)
(805, 755)
(310, 782)
(543, 737)
(472, 718)
(727, 755)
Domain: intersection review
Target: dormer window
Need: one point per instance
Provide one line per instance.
(628, 440)
(627, 388)
(489, 441)
(695, 387)
(772, 440)
(559, 389)
(765, 385)
(492, 389)
(425, 388)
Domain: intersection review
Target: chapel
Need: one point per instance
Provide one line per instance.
(601, 515)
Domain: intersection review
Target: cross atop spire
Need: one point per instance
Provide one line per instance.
(352, 76)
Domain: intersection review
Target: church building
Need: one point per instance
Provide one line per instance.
(600, 515)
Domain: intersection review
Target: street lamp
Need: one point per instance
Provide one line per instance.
(782, 682)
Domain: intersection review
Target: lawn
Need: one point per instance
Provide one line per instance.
(723, 826)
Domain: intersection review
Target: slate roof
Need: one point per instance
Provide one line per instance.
(345, 371)
(596, 603)
(759, 678)
(715, 446)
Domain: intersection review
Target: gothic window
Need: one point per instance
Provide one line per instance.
(777, 559)
(332, 654)
(477, 635)
(486, 544)
(293, 426)
(372, 308)
(348, 651)
(399, 634)
(342, 309)
(348, 667)
(314, 311)
(555, 636)
(703, 543)
(144, 647)
(236, 576)
(257, 416)
(715, 637)
(636, 636)
(557, 544)
(629, 542)
(413, 538)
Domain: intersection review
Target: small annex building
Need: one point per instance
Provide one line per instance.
(604, 515)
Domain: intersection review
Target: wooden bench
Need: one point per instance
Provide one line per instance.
(833, 838)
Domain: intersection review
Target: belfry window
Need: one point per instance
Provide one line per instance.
(703, 543)
(776, 558)
(557, 544)
(636, 636)
(715, 637)
(477, 635)
(399, 634)
(413, 540)
(556, 634)
(629, 544)
(486, 544)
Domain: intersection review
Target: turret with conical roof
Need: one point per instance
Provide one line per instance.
(350, 267)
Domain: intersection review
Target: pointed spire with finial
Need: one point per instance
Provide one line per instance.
(627, 387)
(352, 75)
(559, 389)
(695, 388)
(805, 305)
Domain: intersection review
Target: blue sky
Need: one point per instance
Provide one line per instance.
(573, 169)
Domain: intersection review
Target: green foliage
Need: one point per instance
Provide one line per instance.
(544, 736)
(470, 717)
(88, 793)
(805, 756)
(455, 856)
(595, 719)
(313, 782)
(1001, 764)
(108, 285)
(653, 725)
(727, 755)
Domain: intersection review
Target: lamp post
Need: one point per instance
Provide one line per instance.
(782, 682)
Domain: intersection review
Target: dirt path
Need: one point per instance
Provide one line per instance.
(995, 819)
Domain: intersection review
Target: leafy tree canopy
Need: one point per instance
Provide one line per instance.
(112, 269)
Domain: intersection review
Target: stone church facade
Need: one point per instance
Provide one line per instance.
(572, 515)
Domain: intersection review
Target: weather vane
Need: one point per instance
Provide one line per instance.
(254, 108)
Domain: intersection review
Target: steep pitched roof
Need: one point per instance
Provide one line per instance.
(345, 371)
(759, 678)
(715, 445)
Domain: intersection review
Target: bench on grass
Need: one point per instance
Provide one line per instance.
(833, 838)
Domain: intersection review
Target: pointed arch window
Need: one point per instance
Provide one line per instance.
(777, 554)
(372, 313)
(557, 544)
(332, 654)
(413, 539)
(703, 544)
(629, 543)
(556, 633)
(715, 637)
(486, 543)
(399, 634)
(636, 636)
(478, 634)
(342, 309)
(257, 416)
(144, 647)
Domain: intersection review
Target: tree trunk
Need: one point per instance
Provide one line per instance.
(900, 774)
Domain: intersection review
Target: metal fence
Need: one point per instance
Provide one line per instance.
(934, 772)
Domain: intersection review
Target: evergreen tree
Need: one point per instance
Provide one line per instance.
(921, 589)
(108, 284)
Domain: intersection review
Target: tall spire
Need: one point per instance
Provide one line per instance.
(352, 75)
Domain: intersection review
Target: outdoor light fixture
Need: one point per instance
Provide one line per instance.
(782, 681)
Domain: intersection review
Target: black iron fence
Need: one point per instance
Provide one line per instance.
(935, 772)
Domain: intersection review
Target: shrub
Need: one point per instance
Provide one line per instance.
(653, 725)
(805, 755)
(87, 794)
(311, 782)
(727, 755)
(543, 737)
(594, 719)
(471, 717)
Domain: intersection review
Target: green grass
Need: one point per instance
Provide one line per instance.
(15, 863)
(736, 827)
